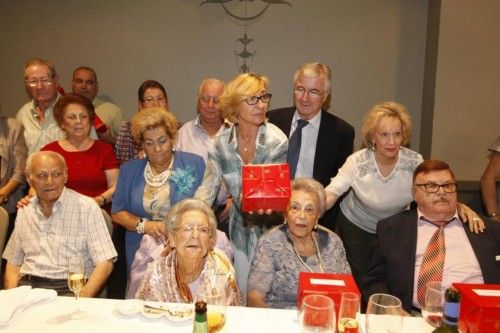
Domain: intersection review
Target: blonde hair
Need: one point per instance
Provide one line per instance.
(236, 91)
(386, 110)
(151, 118)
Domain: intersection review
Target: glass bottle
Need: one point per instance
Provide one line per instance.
(451, 312)
(200, 318)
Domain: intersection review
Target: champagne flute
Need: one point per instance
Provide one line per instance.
(350, 304)
(432, 310)
(317, 314)
(76, 282)
(384, 314)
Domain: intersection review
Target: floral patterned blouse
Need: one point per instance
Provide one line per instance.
(276, 267)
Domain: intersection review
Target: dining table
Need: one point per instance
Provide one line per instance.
(102, 316)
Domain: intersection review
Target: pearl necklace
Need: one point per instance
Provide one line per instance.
(159, 179)
(317, 253)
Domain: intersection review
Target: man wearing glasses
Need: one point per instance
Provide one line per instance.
(85, 83)
(331, 136)
(36, 116)
(430, 243)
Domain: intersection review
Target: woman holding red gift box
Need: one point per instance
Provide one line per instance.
(250, 140)
(298, 245)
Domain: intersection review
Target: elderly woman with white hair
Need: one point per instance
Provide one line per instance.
(193, 267)
(300, 244)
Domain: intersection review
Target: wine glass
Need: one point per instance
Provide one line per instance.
(384, 314)
(76, 282)
(216, 308)
(432, 310)
(317, 314)
(348, 314)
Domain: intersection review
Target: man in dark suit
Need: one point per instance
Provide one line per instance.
(326, 140)
(406, 246)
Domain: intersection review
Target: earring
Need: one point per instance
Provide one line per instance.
(315, 227)
(284, 221)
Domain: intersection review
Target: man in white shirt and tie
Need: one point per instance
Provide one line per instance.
(325, 141)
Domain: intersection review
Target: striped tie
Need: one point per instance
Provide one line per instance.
(433, 260)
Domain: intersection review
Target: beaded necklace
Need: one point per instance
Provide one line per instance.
(159, 179)
(317, 253)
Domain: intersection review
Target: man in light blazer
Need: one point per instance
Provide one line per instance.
(402, 240)
(327, 140)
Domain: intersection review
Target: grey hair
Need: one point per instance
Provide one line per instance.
(40, 62)
(315, 70)
(210, 81)
(314, 188)
(173, 217)
(53, 154)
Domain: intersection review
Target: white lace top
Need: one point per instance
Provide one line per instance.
(373, 197)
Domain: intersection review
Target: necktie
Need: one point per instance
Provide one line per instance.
(432, 261)
(294, 146)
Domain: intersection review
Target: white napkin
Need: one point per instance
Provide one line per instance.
(14, 301)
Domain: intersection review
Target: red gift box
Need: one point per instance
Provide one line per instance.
(479, 308)
(331, 285)
(265, 186)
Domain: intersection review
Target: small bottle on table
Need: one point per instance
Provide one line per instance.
(450, 312)
(200, 318)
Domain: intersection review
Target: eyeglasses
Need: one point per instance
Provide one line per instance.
(296, 209)
(151, 99)
(266, 98)
(44, 81)
(206, 99)
(313, 93)
(189, 230)
(433, 187)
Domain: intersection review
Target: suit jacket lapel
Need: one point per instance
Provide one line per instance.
(318, 156)
(485, 255)
(409, 232)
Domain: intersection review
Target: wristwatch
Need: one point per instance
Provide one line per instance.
(493, 214)
(140, 225)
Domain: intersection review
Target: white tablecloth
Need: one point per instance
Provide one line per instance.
(101, 317)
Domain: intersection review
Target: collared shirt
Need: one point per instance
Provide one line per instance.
(305, 166)
(43, 246)
(110, 114)
(194, 138)
(39, 134)
(460, 263)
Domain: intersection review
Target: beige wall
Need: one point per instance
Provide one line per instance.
(467, 96)
(376, 48)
